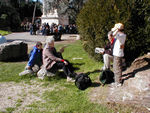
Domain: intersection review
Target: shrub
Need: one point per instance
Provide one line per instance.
(9, 18)
(98, 17)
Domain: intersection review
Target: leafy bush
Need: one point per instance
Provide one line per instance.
(98, 17)
(9, 18)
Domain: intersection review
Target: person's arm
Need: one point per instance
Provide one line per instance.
(107, 46)
(32, 57)
(51, 56)
(121, 37)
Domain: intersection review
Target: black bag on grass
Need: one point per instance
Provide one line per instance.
(82, 81)
(106, 77)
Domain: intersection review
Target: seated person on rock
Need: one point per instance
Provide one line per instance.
(108, 50)
(35, 59)
(52, 60)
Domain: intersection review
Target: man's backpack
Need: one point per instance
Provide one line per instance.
(82, 81)
(106, 77)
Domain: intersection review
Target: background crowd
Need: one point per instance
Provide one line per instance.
(47, 29)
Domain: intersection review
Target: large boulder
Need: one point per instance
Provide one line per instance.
(13, 50)
(136, 87)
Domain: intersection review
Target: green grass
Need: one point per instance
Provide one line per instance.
(65, 98)
(2, 32)
(68, 100)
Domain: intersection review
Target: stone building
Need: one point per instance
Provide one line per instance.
(51, 15)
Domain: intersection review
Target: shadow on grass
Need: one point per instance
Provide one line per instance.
(95, 84)
(76, 68)
(20, 59)
(91, 72)
(58, 76)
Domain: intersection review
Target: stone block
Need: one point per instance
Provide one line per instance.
(13, 50)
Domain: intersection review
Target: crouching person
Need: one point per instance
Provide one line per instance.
(52, 60)
(108, 50)
(35, 60)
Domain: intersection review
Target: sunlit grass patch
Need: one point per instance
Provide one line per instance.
(2, 32)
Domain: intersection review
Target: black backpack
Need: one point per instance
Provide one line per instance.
(82, 81)
(106, 77)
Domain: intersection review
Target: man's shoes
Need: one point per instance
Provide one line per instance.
(69, 79)
(25, 72)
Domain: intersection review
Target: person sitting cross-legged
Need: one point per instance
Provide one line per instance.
(52, 60)
(108, 50)
(35, 60)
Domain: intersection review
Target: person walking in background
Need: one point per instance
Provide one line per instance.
(118, 52)
(31, 28)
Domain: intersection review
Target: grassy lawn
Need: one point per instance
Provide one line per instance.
(2, 32)
(65, 97)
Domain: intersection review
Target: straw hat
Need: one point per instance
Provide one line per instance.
(118, 26)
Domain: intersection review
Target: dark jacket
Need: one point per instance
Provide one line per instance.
(109, 48)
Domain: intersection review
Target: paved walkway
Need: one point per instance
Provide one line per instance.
(32, 39)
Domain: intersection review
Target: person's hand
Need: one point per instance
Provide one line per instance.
(61, 50)
(122, 46)
(66, 63)
(102, 53)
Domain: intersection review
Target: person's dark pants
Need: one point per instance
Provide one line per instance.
(66, 68)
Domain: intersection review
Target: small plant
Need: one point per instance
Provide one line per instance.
(10, 109)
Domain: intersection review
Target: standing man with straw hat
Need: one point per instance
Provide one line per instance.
(118, 52)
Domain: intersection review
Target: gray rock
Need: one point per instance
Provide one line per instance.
(13, 50)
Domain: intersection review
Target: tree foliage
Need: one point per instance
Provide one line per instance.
(98, 17)
(9, 17)
(12, 13)
(70, 7)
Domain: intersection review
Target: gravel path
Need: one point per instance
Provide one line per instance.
(19, 95)
(32, 39)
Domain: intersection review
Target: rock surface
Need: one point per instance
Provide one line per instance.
(135, 89)
(13, 50)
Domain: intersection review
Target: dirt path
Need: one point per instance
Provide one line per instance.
(19, 95)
